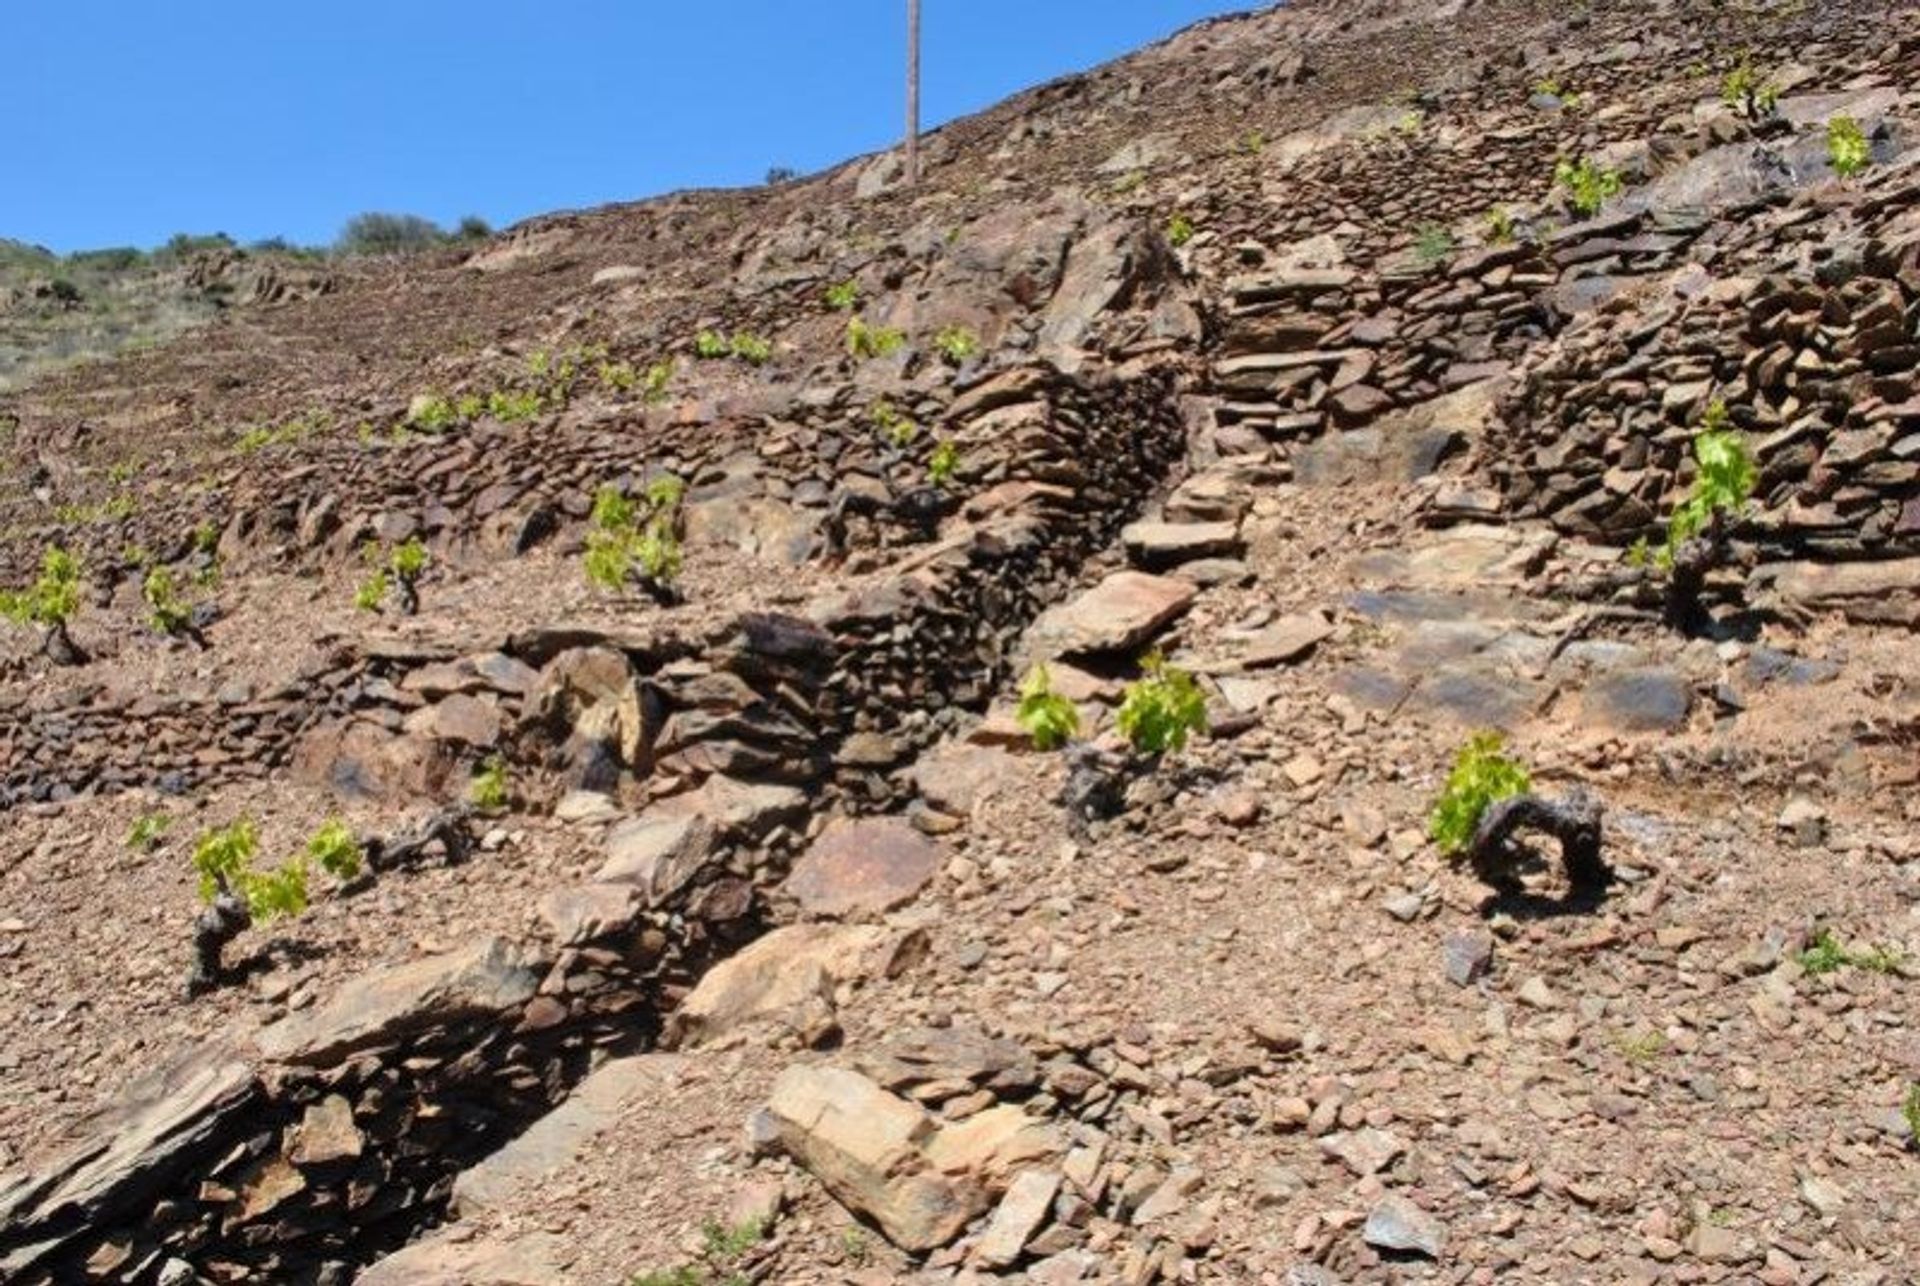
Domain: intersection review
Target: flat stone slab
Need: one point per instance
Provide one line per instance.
(488, 977)
(532, 1260)
(747, 810)
(164, 1121)
(1120, 614)
(660, 855)
(1644, 700)
(1286, 640)
(864, 868)
(788, 976)
(502, 1181)
(1157, 546)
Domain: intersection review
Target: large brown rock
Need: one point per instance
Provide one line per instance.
(864, 868)
(1120, 614)
(788, 976)
(531, 1260)
(866, 1147)
(659, 854)
(486, 978)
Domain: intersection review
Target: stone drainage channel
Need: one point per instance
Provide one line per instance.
(335, 1136)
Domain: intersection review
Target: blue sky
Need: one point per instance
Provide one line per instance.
(130, 120)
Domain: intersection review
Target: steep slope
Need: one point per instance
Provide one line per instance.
(1273, 347)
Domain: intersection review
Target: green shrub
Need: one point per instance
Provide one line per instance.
(1825, 954)
(864, 341)
(898, 428)
(1847, 149)
(844, 297)
(1499, 226)
(1049, 718)
(1162, 709)
(957, 344)
(399, 570)
(1434, 245)
(620, 377)
(1910, 1112)
(473, 228)
(727, 1243)
(751, 348)
(1747, 91)
(1588, 185)
(165, 610)
(654, 387)
(336, 850)
(711, 346)
(388, 234)
(943, 463)
(51, 600)
(1179, 230)
(147, 830)
(489, 791)
(511, 406)
(1482, 776)
(224, 861)
(433, 414)
(1723, 482)
(622, 538)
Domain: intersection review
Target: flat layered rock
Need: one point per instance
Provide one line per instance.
(1120, 614)
(521, 1168)
(163, 1123)
(866, 1147)
(532, 1260)
(1157, 546)
(864, 868)
(660, 855)
(489, 977)
(788, 976)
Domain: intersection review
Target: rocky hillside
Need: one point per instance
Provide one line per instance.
(592, 677)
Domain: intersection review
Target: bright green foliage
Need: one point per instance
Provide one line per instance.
(1588, 185)
(1162, 709)
(844, 297)
(864, 341)
(898, 427)
(224, 860)
(1847, 149)
(165, 611)
(336, 850)
(1549, 87)
(511, 406)
(147, 829)
(1825, 954)
(1910, 1110)
(51, 600)
(1482, 776)
(1499, 226)
(1746, 90)
(409, 559)
(1253, 142)
(488, 790)
(206, 538)
(1049, 718)
(653, 388)
(372, 591)
(1434, 246)
(626, 534)
(434, 415)
(725, 1243)
(710, 346)
(957, 344)
(755, 350)
(1179, 231)
(944, 463)
(619, 376)
(469, 407)
(1724, 482)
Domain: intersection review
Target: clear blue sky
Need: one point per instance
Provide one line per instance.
(130, 120)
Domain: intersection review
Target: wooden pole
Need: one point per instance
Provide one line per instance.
(913, 92)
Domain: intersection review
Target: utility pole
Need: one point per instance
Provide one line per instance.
(913, 93)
